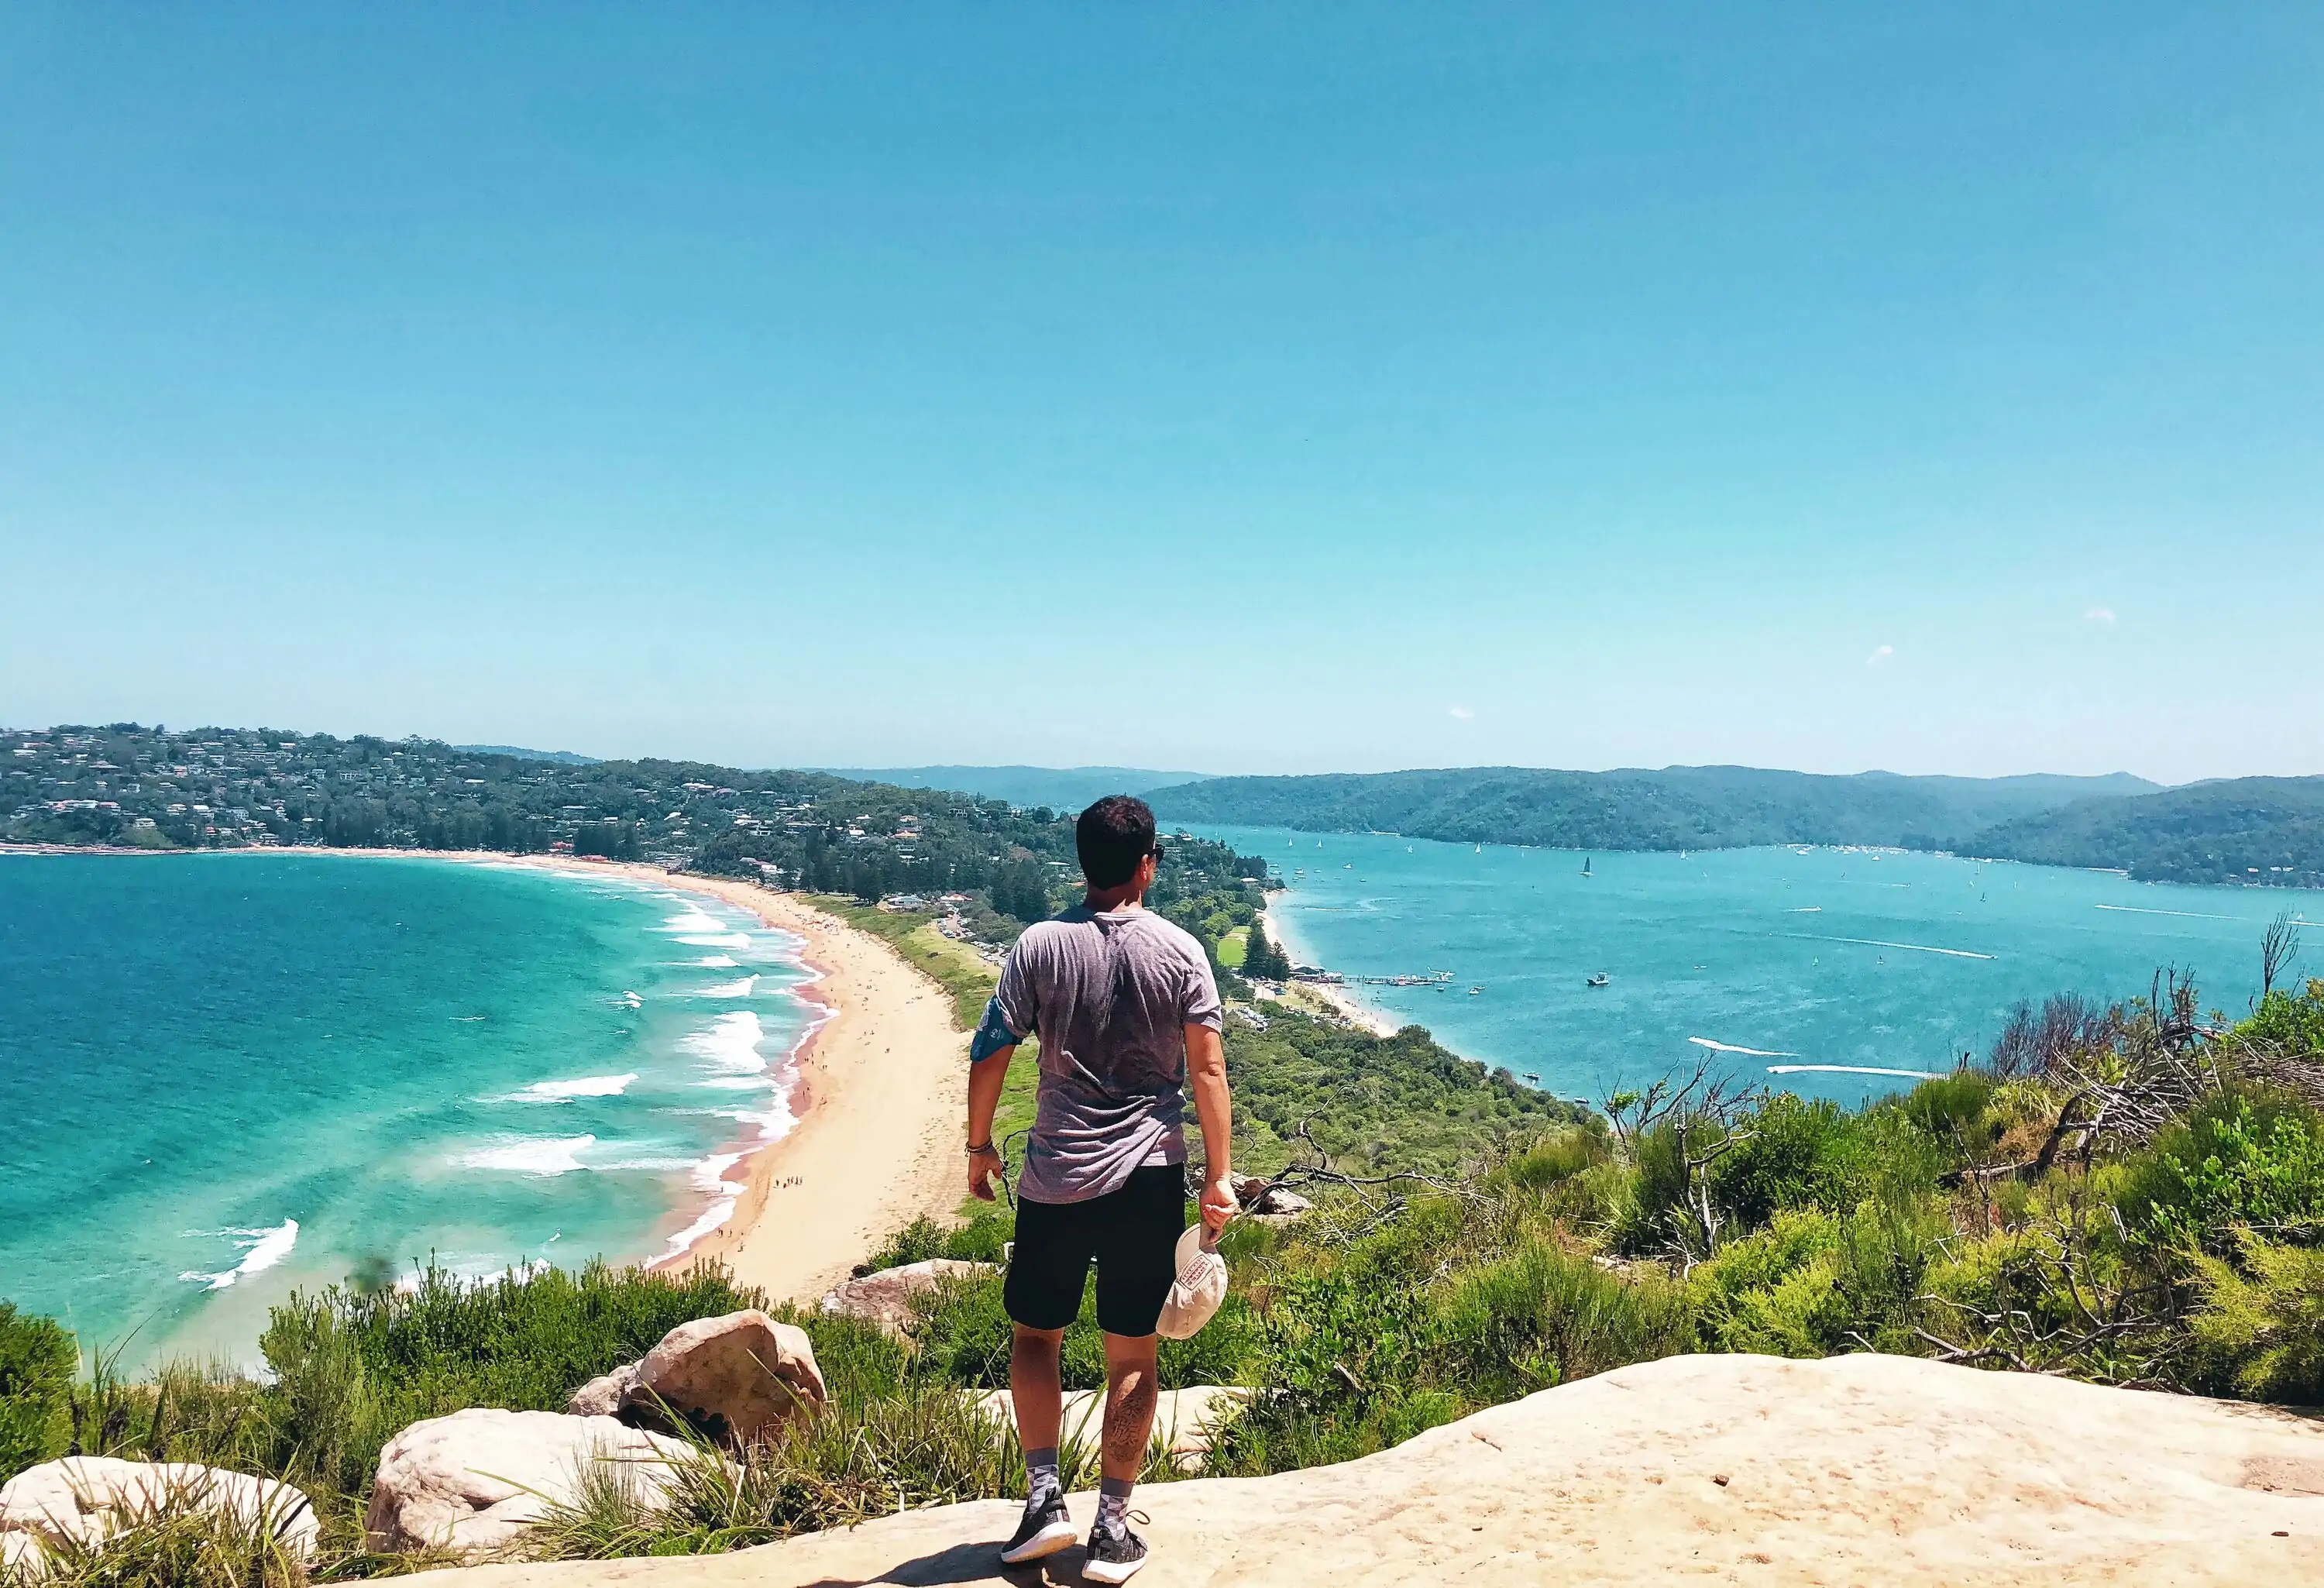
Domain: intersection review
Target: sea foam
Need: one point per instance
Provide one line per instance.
(583, 1086)
(262, 1249)
(737, 989)
(729, 1044)
(532, 1155)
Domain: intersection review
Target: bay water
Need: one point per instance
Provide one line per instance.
(225, 1076)
(1795, 967)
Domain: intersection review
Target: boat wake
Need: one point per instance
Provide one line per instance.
(1914, 947)
(1730, 1047)
(1852, 1069)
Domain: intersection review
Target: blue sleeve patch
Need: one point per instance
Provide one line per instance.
(993, 1034)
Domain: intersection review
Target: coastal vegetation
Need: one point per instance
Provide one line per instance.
(2131, 1194)
(2250, 830)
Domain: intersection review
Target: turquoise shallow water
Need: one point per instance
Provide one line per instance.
(224, 1076)
(1822, 958)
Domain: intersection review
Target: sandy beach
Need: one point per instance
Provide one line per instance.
(882, 1090)
(1336, 1001)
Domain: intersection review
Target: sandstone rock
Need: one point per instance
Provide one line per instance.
(601, 1397)
(84, 1498)
(473, 1482)
(885, 1298)
(1186, 1420)
(1262, 1200)
(1857, 1470)
(735, 1377)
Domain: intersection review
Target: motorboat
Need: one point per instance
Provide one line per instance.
(1599, 980)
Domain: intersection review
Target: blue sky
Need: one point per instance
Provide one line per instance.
(1255, 388)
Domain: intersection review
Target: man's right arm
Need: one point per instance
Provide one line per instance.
(989, 1053)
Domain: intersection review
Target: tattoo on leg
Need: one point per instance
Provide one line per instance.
(1129, 1416)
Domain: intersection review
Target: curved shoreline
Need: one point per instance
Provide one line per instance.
(880, 1077)
(881, 1073)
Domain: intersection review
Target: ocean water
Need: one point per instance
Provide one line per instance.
(1793, 967)
(226, 1075)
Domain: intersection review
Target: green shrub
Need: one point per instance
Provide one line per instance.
(2287, 1021)
(1550, 1160)
(1542, 1315)
(38, 1360)
(1795, 1153)
(2260, 1332)
(978, 1239)
(1775, 1291)
(1958, 1107)
(2243, 1158)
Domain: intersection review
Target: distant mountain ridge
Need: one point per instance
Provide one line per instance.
(1671, 808)
(2249, 829)
(1059, 788)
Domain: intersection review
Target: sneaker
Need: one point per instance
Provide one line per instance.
(1045, 1530)
(1115, 1554)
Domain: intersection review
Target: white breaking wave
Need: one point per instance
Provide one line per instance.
(1730, 1047)
(532, 1155)
(1914, 948)
(262, 1249)
(691, 920)
(716, 939)
(710, 1177)
(584, 1086)
(718, 962)
(1806, 910)
(1851, 1069)
(741, 989)
(730, 1044)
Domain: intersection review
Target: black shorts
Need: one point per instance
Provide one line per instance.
(1132, 1232)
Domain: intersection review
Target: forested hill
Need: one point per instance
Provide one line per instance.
(125, 786)
(2266, 830)
(1675, 807)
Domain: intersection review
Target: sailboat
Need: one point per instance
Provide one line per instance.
(1585, 865)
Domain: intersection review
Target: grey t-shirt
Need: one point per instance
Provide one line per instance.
(1111, 992)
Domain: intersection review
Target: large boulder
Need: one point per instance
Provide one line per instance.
(1265, 1199)
(1186, 1421)
(1732, 1469)
(601, 1397)
(473, 1482)
(886, 1297)
(735, 1377)
(83, 1498)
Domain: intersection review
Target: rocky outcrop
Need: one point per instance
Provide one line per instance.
(1186, 1421)
(885, 1298)
(734, 1377)
(475, 1479)
(601, 1397)
(1736, 1469)
(82, 1498)
(1265, 1199)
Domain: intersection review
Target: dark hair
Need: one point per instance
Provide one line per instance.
(1112, 837)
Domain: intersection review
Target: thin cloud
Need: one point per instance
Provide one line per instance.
(1881, 657)
(2101, 615)
(1463, 714)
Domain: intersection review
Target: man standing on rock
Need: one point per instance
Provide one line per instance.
(1129, 1017)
